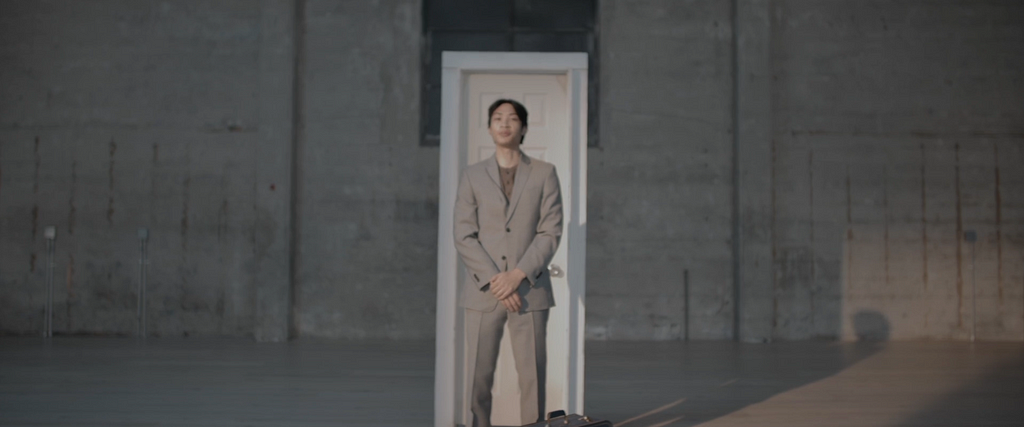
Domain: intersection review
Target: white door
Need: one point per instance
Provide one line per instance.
(547, 138)
(553, 87)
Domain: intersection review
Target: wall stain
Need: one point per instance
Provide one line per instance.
(810, 197)
(185, 270)
(154, 170)
(1, 168)
(849, 232)
(913, 133)
(71, 199)
(35, 226)
(999, 226)
(109, 295)
(222, 220)
(849, 199)
(924, 222)
(110, 184)
(885, 206)
(184, 212)
(775, 249)
(959, 240)
(35, 220)
(184, 200)
(70, 289)
(35, 204)
(39, 160)
(35, 191)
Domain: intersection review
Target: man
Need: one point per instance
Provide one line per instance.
(508, 222)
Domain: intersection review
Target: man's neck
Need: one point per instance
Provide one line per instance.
(508, 157)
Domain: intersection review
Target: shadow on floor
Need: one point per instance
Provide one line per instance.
(688, 383)
(995, 398)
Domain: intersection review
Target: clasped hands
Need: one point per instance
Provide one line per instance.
(504, 286)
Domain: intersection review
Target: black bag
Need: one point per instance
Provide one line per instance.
(560, 419)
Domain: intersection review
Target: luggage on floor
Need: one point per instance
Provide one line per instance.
(560, 419)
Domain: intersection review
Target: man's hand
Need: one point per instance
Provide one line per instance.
(512, 303)
(505, 284)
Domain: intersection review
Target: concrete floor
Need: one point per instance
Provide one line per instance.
(83, 381)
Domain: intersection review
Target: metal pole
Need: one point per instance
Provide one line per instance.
(972, 237)
(50, 232)
(141, 312)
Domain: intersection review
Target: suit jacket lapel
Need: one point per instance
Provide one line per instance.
(492, 170)
(522, 175)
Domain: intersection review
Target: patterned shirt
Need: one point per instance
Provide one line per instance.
(508, 179)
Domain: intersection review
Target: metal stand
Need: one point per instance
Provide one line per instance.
(972, 237)
(143, 262)
(50, 232)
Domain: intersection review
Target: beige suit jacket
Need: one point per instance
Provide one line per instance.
(495, 234)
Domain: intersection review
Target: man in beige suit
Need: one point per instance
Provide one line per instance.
(508, 222)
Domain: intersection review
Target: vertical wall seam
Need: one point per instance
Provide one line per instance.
(298, 68)
(773, 228)
(736, 235)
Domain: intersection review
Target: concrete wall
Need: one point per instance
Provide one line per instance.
(368, 199)
(870, 137)
(659, 198)
(827, 154)
(897, 127)
(117, 115)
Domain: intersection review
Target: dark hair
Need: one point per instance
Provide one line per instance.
(520, 111)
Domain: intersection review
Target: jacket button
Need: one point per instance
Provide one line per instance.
(503, 257)
(508, 230)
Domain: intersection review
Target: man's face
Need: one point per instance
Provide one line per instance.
(506, 129)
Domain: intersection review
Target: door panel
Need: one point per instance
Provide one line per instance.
(547, 138)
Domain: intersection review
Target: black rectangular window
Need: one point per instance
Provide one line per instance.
(504, 26)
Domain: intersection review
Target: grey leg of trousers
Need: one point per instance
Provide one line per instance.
(529, 348)
(487, 342)
(528, 333)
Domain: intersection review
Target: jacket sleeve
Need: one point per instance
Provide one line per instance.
(467, 235)
(549, 231)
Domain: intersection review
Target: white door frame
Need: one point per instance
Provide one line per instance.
(456, 66)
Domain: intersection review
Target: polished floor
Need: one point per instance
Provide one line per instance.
(89, 381)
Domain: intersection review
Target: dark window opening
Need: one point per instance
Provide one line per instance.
(504, 26)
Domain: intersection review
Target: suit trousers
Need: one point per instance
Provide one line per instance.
(528, 333)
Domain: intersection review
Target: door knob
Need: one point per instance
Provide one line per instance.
(556, 271)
